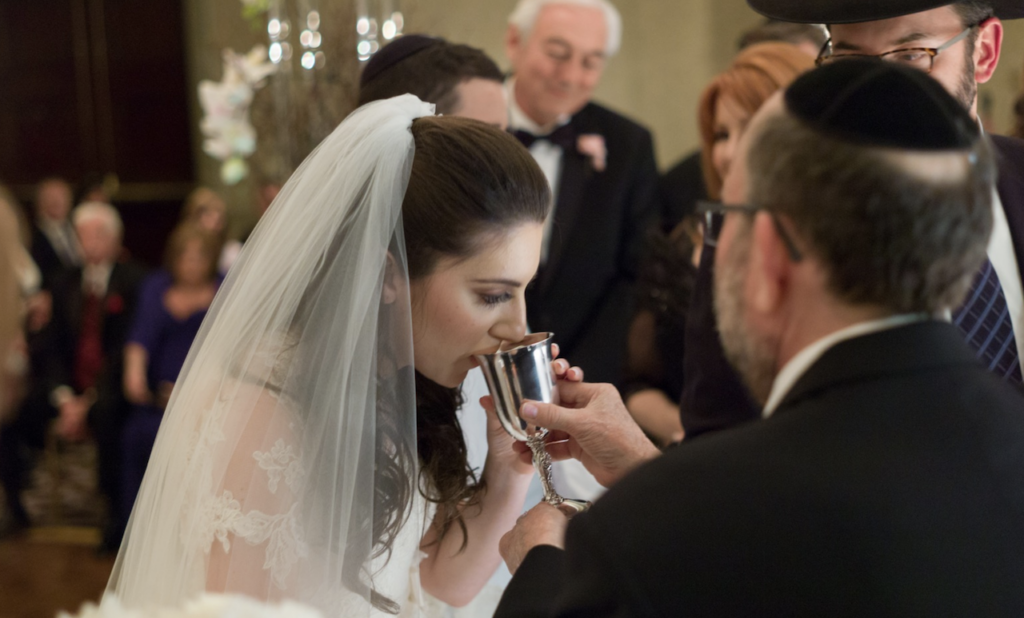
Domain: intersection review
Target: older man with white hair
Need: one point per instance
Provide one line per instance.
(93, 309)
(602, 172)
(601, 168)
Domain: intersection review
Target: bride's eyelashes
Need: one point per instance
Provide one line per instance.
(492, 300)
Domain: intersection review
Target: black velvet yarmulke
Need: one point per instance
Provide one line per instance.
(876, 103)
(395, 52)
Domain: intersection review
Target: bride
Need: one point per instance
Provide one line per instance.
(311, 449)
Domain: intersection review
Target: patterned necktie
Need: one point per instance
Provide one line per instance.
(984, 320)
(564, 137)
(89, 354)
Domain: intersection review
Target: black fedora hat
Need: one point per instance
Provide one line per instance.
(855, 11)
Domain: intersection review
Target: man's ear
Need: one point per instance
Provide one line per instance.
(769, 265)
(513, 42)
(392, 281)
(987, 49)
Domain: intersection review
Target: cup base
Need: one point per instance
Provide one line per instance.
(573, 507)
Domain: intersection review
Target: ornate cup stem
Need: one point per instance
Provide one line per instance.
(542, 462)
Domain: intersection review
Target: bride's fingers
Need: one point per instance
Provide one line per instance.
(487, 403)
(575, 374)
(555, 350)
(560, 367)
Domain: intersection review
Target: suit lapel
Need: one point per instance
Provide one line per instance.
(569, 203)
(568, 208)
(905, 349)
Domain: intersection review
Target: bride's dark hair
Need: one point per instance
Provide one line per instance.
(470, 184)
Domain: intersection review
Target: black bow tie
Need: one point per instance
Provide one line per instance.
(563, 137)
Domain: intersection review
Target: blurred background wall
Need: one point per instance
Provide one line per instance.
(670, 50)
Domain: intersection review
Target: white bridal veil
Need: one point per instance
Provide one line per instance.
(286, 463)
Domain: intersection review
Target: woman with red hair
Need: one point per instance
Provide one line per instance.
(655, 352)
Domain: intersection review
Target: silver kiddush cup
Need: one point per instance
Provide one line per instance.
(520, 372)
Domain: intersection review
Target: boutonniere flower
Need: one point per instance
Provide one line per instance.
(592, 145)
(115, 303)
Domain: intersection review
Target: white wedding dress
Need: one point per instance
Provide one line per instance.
(285, 467)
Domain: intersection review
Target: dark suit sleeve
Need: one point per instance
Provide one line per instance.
(59, 335)
(584, 581)
(535, 586)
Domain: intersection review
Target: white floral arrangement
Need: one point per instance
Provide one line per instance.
(230, 137)
(205, 606)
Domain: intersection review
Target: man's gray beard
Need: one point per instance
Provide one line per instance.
(750, 356)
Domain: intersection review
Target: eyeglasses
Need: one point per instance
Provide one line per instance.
(921, 58)
(714, 213)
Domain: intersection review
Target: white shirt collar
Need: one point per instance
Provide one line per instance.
(802, 361)
(54, 228)
(96, 277)
(517, 118)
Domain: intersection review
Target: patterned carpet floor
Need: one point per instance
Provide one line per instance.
(54, 565)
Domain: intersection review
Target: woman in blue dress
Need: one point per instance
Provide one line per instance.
(171, 309)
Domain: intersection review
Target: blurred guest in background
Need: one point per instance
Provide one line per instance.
(166, 321)
(731, 99)
(683, 185)
(93, 310)
(206, 208)
(458, 79)
(601, 167)
(54, 244)
(657, 340)
(96, 187)
(266, 193)
(16, 268)
(603, 176)
(19, 292)
(810, 38)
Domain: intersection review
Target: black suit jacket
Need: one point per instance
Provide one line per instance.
(714, 396)
(118, 308)
(583, 292)
(889, 482)
(46, 257)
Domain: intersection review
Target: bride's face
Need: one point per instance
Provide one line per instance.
(470, 306)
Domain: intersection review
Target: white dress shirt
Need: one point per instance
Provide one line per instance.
(547, 155)
(63, 240)
(802, 361)
(95, 278)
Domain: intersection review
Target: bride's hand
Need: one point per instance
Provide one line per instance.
(565, 372)
(562, 369)
(499, 443)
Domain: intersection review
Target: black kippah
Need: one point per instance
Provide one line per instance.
(876, 103)
(395, 52)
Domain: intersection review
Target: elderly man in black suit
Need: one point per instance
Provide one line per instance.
(603, 176)
(602, 171)
(886, 478)
(958, 44)
(54, 244)
(93, 310)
